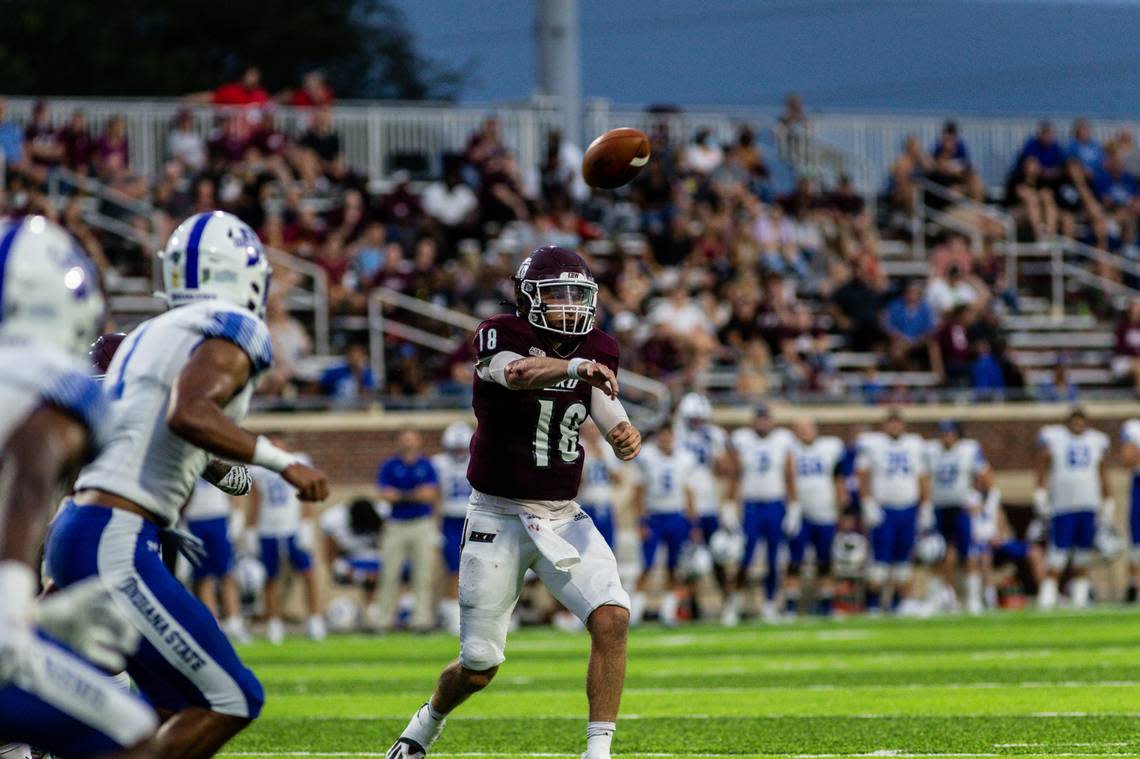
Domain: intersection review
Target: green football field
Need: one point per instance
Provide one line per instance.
(1006, 684)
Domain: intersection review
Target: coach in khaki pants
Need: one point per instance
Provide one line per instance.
(409, 482)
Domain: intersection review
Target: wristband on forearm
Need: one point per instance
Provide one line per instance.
(266, 454)
(573, 365)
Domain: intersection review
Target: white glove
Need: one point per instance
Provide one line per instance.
(992, 502)
(793, 520)
(872, 513)
(85, 618)
(305, 538)
(926, 520)
(236, 482)
(250, 545)
(1041, 503)
(1107, 514)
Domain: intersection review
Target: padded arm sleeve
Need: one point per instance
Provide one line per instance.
(494, 369)
(607, 412)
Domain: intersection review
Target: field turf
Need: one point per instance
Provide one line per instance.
(1067, 684)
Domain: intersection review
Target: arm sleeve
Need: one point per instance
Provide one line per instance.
(494, 368)
(607, 412)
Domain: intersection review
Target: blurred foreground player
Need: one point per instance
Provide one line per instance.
(51, 414)
(540, 373)
(177, 388)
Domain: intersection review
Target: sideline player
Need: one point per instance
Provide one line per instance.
(540, 373)
(708, 443)
(451, 467)
(666, 510)
(284, 529)
(958, 470)
(822, 492)
(894, 489)
(1130, 457)
(51, 414)
(1072, 485)
(765, 486)
(177, 388)
(601, 475)
(207, 517)
(352, 547)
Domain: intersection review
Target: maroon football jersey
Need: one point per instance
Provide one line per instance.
(526, 441)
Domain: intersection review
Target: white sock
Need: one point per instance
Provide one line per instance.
(669, 606)
(636, 607)
(1082, 592)
(974, 589)
(425, 726)
(599, 736)
(1047, 594)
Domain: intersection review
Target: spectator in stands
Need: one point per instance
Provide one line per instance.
(453, 206)
(792, 127)
(349, 379)
(855, 306)
(1086, 150)
(409, 482)
(11, 140)
(911, 165)
(291, 343)
(501, 191)
(314, 92)
(1031, 199)
(1044, 147)
(1126, 361)
(44, 149)
(950, 356)
(400, 208)
(319, 155)
(951, 164)
(746, 155)
(245, 91)
(184, 144)
(111, 149)
(910, 322)
(78, 146)
(1117, 191)
(1060, 388)
(986, 373)
(482, 147)
(703, 154)
(681, 318)
(945, 294)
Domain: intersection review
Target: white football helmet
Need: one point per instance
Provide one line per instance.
(849, 554)
(694, 406)
(212, 256)
(49, 289)
(1109, 542)
(457, 437)
(726, 546)
(695, 562)
(930, 548)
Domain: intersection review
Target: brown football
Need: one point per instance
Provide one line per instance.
(615, 158)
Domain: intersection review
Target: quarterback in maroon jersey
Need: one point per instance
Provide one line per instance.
(539, 374)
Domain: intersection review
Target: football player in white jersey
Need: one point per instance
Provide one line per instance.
(709, 445)
(958, 469)
(1072, 491)
(451, 467)
(601, 474)
(666, 509)
(207, 516)
(352, 546)
(284, 528)
(177, 389)
(821, 490)
(1130, 457)
(51, 414)
(894, 490)
(764, 488)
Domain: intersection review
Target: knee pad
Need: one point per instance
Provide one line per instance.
(901, 572)
(1082, 557)
(878, 573)
(479, 654)
(1056, 558)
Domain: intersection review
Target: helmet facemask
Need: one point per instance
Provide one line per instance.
(566, 305)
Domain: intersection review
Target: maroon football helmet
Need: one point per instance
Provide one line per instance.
(103, 350)
(555, 291)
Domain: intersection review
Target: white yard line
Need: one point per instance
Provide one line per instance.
(880, 752)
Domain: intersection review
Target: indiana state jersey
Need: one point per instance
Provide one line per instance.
(278, 507)
(1130, 433)
(665, 478)
(762, 463)
(816, 466)
(144, 461)
(453, 484)
(207, 502)
(36, 374)
(1074, 480)
(952, 471)
(597, 488)
(707, 444)
(895, 464)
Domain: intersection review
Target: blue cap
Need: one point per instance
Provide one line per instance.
(761, 409)
(949, 425)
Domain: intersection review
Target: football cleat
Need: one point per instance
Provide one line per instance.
(406, 748)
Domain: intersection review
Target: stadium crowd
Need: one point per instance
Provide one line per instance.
(705, 269)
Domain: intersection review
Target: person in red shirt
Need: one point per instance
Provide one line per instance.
(314, 92)
(245, 91)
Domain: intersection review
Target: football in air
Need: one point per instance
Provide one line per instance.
(615, 158)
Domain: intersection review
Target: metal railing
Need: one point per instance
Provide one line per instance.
(650, 403)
